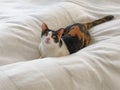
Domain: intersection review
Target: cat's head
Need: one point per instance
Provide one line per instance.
(50, 37)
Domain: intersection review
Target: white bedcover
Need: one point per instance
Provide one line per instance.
(96, 67)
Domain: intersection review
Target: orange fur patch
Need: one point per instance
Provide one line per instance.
(76, 32)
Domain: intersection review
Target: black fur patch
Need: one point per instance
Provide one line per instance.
(73, 43)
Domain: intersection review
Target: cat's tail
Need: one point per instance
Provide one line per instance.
(97, 22)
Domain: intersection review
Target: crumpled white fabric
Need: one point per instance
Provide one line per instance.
(96, 67)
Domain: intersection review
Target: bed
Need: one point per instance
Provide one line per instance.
(96, 67)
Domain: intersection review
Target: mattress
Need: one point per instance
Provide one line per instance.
(96, 67)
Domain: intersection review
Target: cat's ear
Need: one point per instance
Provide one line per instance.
(44, 27)
(60, 32)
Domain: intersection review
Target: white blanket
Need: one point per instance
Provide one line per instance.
(96, 67)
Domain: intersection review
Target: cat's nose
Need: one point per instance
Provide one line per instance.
(47, 40)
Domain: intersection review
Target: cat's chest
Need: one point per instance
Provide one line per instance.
(53, 51)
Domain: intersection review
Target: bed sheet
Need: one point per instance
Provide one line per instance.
(96, 67)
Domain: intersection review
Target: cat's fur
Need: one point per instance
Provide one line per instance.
(67, 41)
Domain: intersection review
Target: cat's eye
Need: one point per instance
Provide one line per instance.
(46, 34)
(53, 36)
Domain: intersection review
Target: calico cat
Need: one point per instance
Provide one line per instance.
(67, 40)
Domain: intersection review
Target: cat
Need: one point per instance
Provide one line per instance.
(67, 40)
